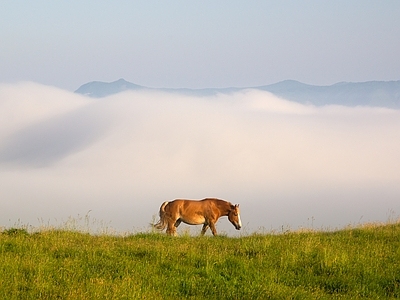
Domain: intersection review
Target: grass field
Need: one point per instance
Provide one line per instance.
(352, 263)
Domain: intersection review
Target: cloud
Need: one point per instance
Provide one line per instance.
(62, 154)
(47, 141)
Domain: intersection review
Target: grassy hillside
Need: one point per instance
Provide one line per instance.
(56, 264)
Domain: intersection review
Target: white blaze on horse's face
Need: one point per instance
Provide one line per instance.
(240, 221)
(234, 217)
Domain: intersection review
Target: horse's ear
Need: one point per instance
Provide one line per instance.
(237, 205)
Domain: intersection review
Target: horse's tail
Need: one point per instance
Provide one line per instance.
(162, 223)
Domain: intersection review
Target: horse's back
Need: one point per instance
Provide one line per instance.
(187, 204)
(195, 204)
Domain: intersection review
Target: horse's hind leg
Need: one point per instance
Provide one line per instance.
(171, 229)
(177, 223)
(204, 229)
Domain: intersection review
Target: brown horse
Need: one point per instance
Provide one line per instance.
(196, 212)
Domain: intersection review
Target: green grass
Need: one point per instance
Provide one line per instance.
(63, 264)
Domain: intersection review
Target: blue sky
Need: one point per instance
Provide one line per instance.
(199, 44)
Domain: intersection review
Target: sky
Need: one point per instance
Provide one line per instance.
(192, 44)
(65, 157)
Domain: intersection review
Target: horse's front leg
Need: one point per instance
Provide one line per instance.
(213, 229)
(204, 229)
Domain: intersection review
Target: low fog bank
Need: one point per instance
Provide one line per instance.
(288, 165)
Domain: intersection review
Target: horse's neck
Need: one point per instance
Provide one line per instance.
(224, 207)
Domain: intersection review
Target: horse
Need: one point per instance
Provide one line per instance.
(197, 212)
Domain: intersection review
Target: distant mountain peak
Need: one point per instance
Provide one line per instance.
(99, 89)
(122, 81)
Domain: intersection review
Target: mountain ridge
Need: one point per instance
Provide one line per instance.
(369, 93)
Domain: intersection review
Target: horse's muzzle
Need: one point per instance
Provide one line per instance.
(237, 226)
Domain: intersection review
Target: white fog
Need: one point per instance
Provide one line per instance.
(116, 159)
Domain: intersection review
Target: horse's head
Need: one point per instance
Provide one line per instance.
(234, 216)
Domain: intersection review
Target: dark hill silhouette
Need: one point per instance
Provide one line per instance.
(371, 93)
(99, 89)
